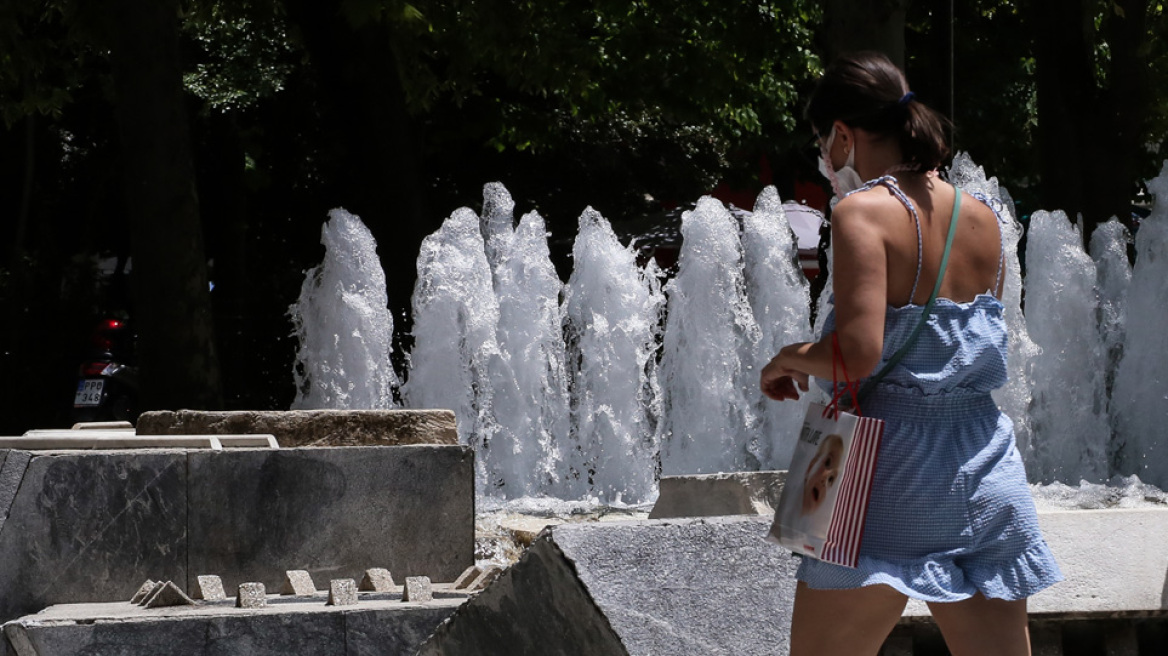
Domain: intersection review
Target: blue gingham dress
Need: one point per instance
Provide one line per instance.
(950, 513)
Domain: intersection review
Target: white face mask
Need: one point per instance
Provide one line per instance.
(845, 180)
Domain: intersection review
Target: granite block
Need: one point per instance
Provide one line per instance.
(418, 589)
(255, 514)
(708, 586)
(342, 592)
(90, 526)
(251, 595)
(298, 582)
(294, 428)
(377, 579)
(210, 588)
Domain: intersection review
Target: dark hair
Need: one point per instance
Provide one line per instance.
(865, 90)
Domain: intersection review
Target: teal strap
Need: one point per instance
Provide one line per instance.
(870, 384)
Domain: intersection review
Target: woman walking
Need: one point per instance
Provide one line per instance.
(950, 520)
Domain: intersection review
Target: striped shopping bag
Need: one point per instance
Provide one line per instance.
(825, 497)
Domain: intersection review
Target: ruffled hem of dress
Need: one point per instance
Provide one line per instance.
(935, 580)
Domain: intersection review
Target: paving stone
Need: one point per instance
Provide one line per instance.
(377, 579)
(466, 578)
(167, 595)
(418, 589)
(298, 582)
(485, 578)
(209, 587)
(144, 590)
(342, 592)
(251, 595)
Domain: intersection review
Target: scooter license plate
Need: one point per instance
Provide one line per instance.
(88, 393)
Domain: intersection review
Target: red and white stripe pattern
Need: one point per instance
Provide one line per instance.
(846, 530)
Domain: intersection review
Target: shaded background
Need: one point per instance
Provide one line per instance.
(171, 163)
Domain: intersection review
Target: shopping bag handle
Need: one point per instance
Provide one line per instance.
(831, 411)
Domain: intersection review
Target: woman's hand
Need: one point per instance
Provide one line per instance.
(781, 383)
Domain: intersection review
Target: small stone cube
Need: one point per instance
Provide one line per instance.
(418, 589)
(342, 592)
(298, 582)
(467, 577)
(377, 579)
(144, 590)
(210, 588)
(251, 595)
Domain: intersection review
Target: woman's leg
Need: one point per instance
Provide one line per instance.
(984, 626)
(845, 622)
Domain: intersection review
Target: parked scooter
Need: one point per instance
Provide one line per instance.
(107, 382)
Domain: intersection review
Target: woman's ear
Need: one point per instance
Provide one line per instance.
(845, 136)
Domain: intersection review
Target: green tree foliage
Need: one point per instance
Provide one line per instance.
(400, 111)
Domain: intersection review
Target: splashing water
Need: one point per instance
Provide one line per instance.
(455, 316)
(343, 325)
(591, 390)
(531, 404)
(710, 408)
(1141, 383)
(780, 299)
(1014, 397)
(1070, 431)
(612, 308)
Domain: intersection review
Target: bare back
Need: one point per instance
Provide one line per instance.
(975, 259)
(877, 254)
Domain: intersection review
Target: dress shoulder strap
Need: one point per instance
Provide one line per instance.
(894, 187)
(1001, 214)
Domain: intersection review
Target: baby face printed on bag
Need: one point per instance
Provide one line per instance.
(822, 473)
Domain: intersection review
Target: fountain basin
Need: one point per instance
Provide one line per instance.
(87, 526)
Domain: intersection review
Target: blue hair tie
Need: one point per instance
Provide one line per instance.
(907, 98)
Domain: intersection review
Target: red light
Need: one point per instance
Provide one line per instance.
(113, 324)
(93, 368)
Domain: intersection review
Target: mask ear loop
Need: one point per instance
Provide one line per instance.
(825, 156)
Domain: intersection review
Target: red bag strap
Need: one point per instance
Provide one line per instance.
(838, 392)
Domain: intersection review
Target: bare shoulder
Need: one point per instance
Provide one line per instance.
(980, 209)
(866, 209)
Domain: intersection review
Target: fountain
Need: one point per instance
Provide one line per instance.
(592, 389)
(1068, 422)
(343, 325)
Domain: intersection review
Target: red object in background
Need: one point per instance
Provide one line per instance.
(741, 198)
(811, 194)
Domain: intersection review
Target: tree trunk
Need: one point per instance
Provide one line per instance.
(1090, 139)
(851, 25)
(1065, 82)
(378, 160)
(1124, 110)
(176, 349)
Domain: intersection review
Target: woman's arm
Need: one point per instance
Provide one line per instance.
(860, 282)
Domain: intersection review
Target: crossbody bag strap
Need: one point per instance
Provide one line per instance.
(870, 384)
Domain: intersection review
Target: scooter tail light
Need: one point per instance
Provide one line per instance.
(93, 368)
